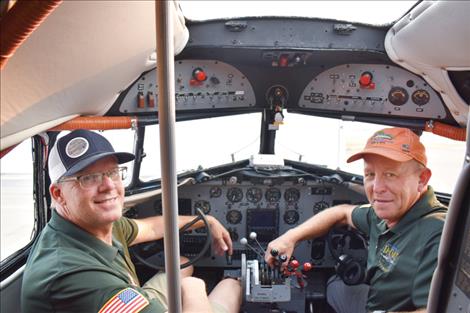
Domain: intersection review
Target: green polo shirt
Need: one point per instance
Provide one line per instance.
(401, 260)
(69, 270)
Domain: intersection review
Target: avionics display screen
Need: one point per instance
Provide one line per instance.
(262, 217)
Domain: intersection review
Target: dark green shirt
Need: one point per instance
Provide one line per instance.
(69, 270)
(402, 260)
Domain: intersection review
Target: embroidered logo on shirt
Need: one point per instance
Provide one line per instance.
(388, 257)
(125, 301)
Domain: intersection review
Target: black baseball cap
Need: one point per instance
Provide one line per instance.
(79, 149)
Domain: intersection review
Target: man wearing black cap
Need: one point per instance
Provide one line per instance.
(81, 263)
(403, 221)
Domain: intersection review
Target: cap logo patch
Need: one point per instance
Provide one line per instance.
(76, 147)
(405, 147)
(381, 137)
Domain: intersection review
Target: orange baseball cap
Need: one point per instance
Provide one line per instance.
(399, 144)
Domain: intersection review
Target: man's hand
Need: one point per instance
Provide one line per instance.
(284, 245)
(220, 237)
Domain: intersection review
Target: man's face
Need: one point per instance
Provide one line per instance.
(393, 187)
(96, 206)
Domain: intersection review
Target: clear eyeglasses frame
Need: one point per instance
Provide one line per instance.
(95, 179)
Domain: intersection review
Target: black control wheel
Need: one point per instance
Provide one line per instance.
(156, 247)
(349, 249)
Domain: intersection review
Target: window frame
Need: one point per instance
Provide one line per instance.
(40, 179)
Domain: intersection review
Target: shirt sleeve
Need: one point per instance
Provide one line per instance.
(131, 300)
(126, 229)
(94, 291)
(361, 218)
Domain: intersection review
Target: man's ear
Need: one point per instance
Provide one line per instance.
(56, 194)
(424, 177)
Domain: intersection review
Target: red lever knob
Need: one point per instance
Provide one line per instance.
(307, 267)
(294, 263)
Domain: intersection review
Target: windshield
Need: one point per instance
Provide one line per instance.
(368, 12)
(321, 141)
(329, 142)
(204, 143)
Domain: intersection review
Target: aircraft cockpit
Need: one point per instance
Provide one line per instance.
(265, 109)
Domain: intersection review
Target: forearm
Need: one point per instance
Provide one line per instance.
(153, 228)
(316, 226)
(319, 224)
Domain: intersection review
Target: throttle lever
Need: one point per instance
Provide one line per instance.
(228, 258)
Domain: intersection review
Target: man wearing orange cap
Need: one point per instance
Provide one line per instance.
(403, 221)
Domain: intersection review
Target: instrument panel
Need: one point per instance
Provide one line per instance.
(355, 89)
(199, 84)
(372, 88)
(268, 210)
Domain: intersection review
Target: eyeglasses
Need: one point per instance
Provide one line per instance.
(95, 179)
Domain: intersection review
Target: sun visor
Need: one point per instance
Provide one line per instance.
(181, 33)
(76, 62)
(431, 40)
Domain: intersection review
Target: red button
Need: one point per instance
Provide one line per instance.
(199, 75)
(365, 80)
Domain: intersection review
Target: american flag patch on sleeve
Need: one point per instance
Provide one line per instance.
(125, 301)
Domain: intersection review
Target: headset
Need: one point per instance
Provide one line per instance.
(349, 269)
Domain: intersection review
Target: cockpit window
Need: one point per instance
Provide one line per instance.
(368, 12)
(17, 204)
(330, 142)
(204, 143)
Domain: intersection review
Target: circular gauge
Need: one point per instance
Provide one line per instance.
(254, 194)
(203, 205)
(234, 194)
(420, 97)
(273, 195)
(320, 206)
(233, 233)
(398, 96)
(234, 216)
(291, 217)
(215, 192)
(292, 195)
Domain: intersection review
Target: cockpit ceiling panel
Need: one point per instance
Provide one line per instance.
(199, 84)
(373, 89)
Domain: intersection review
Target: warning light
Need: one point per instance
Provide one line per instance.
(283, 60)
